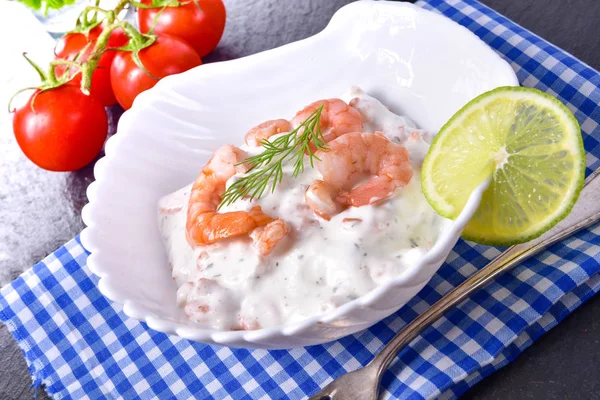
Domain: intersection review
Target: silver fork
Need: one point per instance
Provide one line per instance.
(363, 384)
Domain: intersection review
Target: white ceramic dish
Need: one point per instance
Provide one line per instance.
(417, 62)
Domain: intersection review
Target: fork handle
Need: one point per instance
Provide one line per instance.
(585, 213)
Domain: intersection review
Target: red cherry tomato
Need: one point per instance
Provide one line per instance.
(64, 131)
(202, 27)
(71, 44)
(167, 56)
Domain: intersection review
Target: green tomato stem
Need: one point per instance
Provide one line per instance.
(88, 67)
(121, 6)
(65, 77)
(96, 9)
(110, 21)
(10, 109)
(137, 41)
(36, 67)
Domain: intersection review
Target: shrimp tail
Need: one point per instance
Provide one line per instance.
(211, 226)
(267, 237)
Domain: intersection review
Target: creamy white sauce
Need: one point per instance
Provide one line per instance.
(321, 264)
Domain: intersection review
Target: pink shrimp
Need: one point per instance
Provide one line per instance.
(263, 131)
(337, 118)
(350, 158)
(320, 196)
(248, 324)
(268, 236)
(206, 298)
(204, 225)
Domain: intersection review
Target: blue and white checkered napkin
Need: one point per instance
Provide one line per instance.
(80, 345)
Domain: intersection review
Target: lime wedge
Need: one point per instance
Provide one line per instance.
(531, 146)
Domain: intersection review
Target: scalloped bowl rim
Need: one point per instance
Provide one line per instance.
(223, 337)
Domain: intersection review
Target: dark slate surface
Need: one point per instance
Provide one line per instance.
(40, 210)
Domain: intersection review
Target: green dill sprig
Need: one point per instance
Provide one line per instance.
(266, 168)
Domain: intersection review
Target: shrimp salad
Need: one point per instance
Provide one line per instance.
(320, 239)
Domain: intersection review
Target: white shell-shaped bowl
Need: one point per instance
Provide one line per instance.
(416, 62)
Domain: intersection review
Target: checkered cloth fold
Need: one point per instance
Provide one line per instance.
(80, 345)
